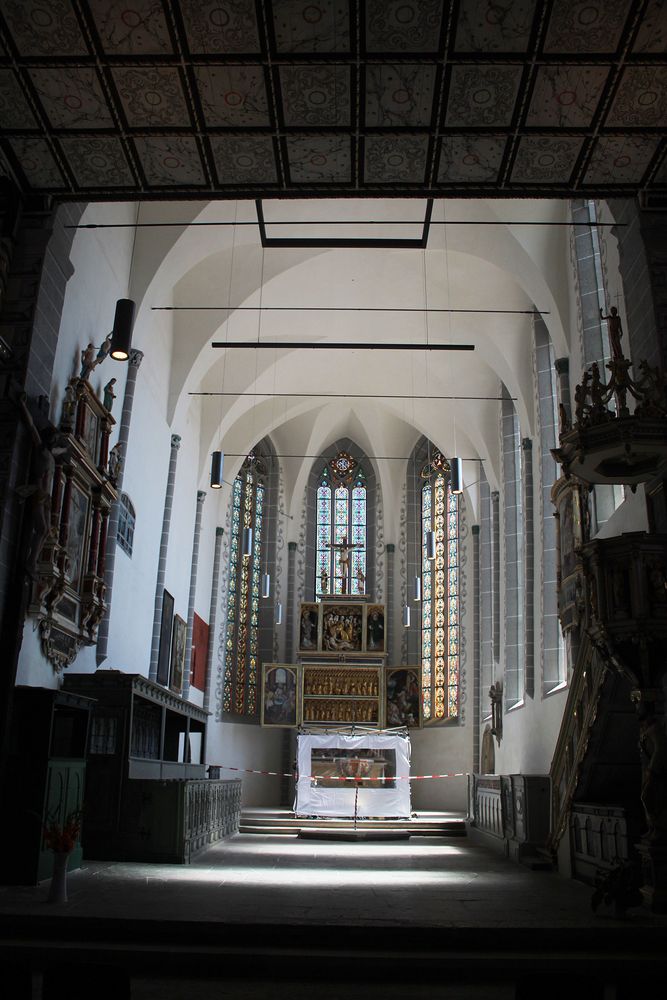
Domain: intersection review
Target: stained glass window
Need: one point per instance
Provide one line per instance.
(242, 641)
(440, 595)
(341, 528)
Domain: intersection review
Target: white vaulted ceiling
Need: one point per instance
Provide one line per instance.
(307, 399)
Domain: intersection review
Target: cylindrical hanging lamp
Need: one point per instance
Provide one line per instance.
(247, 543)
(406, 616)
(266, 584)
(417, 595)
(456, 466)
(279, 613)
(429, 540)
(121, 335)
(217, 464)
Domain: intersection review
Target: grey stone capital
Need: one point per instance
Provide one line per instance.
(562, 366)
(475, 529)
(526, 444)
(291, 546)
(219, 532)
(135, 358)
(176, 441)
(201, 496)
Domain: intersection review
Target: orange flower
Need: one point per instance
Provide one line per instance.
(63, 839)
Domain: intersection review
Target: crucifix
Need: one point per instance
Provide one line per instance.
(343, 559)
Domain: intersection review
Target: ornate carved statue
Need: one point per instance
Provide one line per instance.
(496, 696)
(615, 332)
(88, 359)
(115, 462)
(109, 394)
(38, 492)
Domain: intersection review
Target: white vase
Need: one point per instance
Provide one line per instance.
(58, 887)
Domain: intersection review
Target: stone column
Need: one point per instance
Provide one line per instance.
(477, 646)
(389, 608)
(213, 618)
(290, 611)
(162, 560)
(495, 528)
(133, 364)
(529, 566)
(201, 496)
(562, 366)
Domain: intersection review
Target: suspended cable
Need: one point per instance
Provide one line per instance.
(348, 345)
(360, 309)
(339, 222)
(349, 395)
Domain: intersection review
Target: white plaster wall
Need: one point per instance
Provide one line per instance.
(101, 265)
(248, 747)
(145, 481)
(438, 751)
(529, 735)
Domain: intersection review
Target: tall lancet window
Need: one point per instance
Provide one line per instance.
(440, 611)
(242, 641)
(341, 527)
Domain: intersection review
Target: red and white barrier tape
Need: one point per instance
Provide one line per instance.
(321, 777)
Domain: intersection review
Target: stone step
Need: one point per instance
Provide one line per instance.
(282, 822)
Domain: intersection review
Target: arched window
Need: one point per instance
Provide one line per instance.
(126, 523)
(240, 693)
(440, 611)
(341, 525)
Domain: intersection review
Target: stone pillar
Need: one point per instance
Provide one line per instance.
(495, 528)
(290, 611)
(201, 496)
(529, 566)
(162, 560)
(562, 366)
(213, 618)
(477, 645)
(133, 364)
(389, 608)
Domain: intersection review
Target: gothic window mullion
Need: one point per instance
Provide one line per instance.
(440, 596)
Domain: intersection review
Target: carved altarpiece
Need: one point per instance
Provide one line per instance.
(67, 593)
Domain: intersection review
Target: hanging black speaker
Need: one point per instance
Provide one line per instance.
(121, 335)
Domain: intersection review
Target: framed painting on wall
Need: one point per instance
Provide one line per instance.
(403, 701)
(166, 627)
(280, 694)
(177, 654)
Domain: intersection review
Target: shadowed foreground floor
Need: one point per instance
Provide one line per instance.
(273, 916)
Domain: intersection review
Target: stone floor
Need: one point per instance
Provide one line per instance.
(423, 881)
(334, 908)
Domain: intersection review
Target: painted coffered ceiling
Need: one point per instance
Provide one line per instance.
(310, 98)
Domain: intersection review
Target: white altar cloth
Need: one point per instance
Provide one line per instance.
(321, 759)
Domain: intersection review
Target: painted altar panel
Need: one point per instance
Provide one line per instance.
(280, 695)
